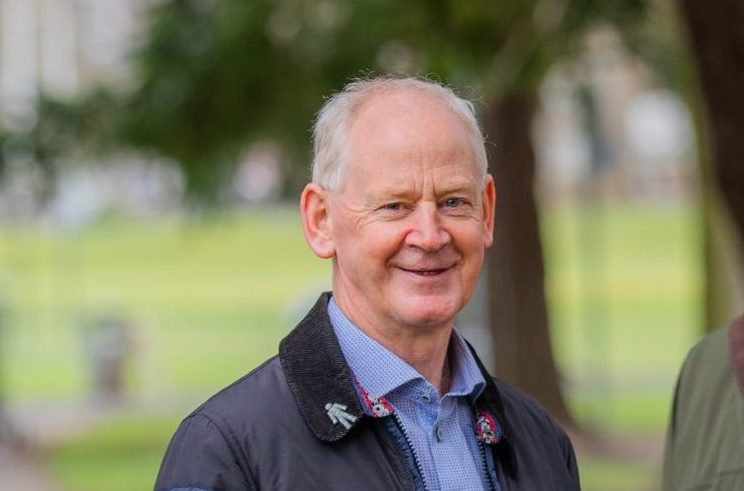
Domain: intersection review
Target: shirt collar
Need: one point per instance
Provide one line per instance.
(380, 371)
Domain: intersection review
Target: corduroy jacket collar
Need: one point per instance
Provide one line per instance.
(318, 377)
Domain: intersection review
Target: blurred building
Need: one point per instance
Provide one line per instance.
(609, 128)
(63, 48)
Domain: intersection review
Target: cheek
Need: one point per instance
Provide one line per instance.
(473, 251)
(345, 237)
(469, 238)
(383, 241)
(367, 250)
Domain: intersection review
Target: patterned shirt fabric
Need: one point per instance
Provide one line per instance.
(441, 430)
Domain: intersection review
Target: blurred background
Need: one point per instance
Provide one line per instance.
(151, 157)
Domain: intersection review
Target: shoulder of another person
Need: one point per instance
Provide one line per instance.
(709, 357)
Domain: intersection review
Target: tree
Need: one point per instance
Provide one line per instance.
(717, 44)
(518, 314)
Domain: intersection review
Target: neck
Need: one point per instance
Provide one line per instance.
(425, 348)
(428, 357)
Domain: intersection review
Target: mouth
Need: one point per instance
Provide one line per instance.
(426, 272)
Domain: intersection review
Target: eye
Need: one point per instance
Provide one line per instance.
(453, 202)
(394, 209)
(456, 206)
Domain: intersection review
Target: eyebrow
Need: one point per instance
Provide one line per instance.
(451, 186)
(457, 185)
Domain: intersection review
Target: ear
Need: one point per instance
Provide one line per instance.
(316, 221)
(489, 210)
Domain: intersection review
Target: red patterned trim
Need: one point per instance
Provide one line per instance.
(377, 407)
(487, 429)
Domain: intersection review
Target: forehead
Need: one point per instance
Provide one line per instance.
(403, 106)
(398, 131)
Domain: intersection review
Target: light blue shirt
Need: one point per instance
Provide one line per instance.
(440, 430)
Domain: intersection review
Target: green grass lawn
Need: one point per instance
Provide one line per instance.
(211, 298)
(120, 455)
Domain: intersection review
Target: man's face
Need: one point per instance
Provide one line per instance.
(413, 219)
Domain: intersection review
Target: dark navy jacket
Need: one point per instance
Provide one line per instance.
(271, 430)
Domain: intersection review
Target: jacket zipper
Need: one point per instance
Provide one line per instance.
(484, 466)
(413, 450)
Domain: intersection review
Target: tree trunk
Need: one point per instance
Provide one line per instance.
(517, 306)
(717, 42)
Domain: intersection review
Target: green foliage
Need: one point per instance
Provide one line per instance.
(216, 76)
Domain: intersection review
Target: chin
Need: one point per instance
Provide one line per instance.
(430, 312)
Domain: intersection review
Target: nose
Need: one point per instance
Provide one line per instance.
(427, 232)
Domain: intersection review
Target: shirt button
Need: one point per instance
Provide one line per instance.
(426, 396)
(438, 433)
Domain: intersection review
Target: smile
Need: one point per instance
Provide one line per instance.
(425, 272)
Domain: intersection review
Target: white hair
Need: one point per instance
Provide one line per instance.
(331, 129)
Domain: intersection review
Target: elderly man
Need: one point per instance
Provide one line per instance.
(374, 389)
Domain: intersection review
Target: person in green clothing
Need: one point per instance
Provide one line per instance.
(705, 441)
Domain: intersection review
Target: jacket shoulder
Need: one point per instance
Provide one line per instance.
(539, 442)
(212, 447)
(519, 402)
(248, 395)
